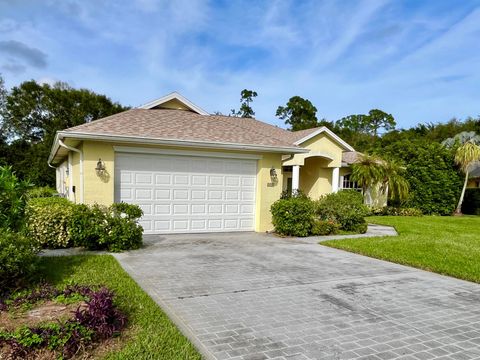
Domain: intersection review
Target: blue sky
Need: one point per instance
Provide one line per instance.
(419, 60)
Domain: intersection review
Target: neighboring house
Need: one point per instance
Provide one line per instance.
(194, 172)
(474, 176)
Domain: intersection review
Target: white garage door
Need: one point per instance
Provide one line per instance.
(181, 194)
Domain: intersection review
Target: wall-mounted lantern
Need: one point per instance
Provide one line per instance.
(273, 175)
(100, 169)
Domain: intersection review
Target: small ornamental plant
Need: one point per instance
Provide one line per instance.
(84, 316)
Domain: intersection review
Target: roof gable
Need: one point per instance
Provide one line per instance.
(304, 136)
(174, 101)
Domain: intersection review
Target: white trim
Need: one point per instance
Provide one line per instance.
(319, 154)
(141, 150)
(335, 179)
(324, 129)
(295, 178)
(62, 144)
(170, 142)
(174, 96)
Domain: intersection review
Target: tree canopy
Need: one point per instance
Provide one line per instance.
(31, 114)
(246, 110)
(298, 113)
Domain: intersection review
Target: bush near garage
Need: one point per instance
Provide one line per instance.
(58, 223)
(345, 207)
(48, 221)
(471, 203)
(293, 216)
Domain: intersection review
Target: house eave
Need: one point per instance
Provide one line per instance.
(334, 136)
(170, 142)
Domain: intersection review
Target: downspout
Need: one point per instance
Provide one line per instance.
(62, 144)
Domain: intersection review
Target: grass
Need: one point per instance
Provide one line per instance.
(445, 245)
(151, 334)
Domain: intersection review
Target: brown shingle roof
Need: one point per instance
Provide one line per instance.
(294, 136)
(187, 126)
(351, 157)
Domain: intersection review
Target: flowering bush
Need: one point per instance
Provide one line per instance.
(48, 221)
(58, 223)
(325, 227)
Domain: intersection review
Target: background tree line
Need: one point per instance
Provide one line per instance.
(31, 113)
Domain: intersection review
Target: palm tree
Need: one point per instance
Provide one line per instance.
(393, 182)
(371, 171)
(368, 171)
(465, 156)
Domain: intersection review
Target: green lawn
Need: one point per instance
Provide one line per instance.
(446, 245)
(151, 335)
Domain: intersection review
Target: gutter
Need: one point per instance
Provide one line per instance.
(62, 144)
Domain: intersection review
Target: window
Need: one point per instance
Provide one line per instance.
(349, 184)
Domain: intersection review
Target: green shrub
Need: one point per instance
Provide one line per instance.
(471, 202)
(17, 259)
(58, 223)
(41, 192)
(48, 221)
(124, 234)
(115, 228)
(435, 184)
(344, 207)
(325, 227)
(396, 211)
(12, 199)
(88, 226)
(361, 228)
(293, 216)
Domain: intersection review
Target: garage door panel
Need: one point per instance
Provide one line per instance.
(188, 194)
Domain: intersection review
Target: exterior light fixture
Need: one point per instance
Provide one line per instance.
(273, 175)
(100, 169)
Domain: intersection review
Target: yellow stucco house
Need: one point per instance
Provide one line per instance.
(194, 172)
(474, 176)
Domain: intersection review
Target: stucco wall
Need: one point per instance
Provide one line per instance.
(267, 192)
(318, 145)
(316, 177)
(100, 190)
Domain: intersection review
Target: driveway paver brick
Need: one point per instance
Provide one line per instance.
(252, 296)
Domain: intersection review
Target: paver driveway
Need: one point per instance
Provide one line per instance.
(252, 296)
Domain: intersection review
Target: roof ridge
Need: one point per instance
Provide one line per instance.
(253, 130)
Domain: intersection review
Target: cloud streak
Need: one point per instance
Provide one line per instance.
(417, 60)
(18, 50)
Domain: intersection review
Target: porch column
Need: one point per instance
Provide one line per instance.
(295, 178)
(335, 179)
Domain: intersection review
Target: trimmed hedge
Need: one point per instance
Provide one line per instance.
(471, 202)
(345, 207)
(48, 221)
(58, 223)
(18, 258)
